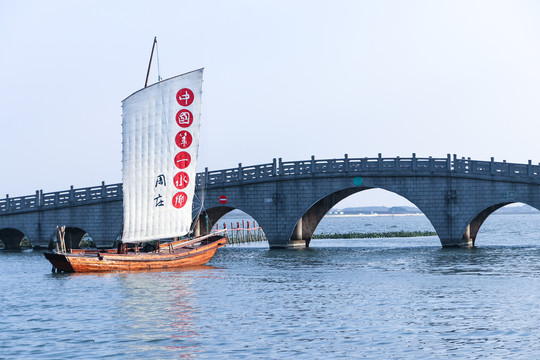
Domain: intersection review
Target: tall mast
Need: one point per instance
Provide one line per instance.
(150, 62)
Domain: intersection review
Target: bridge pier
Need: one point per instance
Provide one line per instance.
(467, 238)
(464, 242)
(296, 244)
(297, 240)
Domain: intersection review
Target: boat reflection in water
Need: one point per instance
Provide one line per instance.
(159, 311)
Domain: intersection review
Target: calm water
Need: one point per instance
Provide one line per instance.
(375, 299)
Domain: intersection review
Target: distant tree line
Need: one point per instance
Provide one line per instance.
(373, 235)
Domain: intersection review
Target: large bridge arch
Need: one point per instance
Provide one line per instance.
(471, 229)
(308, 222)
(279, 204)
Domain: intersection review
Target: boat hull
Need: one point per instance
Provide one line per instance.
(194, 254)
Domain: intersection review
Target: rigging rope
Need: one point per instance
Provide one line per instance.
(157, 59)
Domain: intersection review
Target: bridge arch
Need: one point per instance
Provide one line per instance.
(308, 222)
(205, 222)
(306, 225)
(72, 238)
(470, 231)
(12, 238)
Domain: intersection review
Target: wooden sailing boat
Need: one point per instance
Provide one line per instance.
(160, 134)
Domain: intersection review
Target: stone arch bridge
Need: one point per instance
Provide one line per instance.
(288, 199)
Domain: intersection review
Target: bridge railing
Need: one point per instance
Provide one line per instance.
(61, 198)
(397, 165)
(17, 203)
(492, 168)
(284, 169)
(314, 166)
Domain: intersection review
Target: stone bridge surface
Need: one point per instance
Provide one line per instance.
(289, 199)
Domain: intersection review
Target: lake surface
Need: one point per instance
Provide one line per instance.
(370, 298)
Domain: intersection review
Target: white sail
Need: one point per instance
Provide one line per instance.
(160, 134)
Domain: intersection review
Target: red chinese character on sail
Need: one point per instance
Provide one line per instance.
(184, 118)
(179, 200)
(184, 97)
(182, 160)
(183, 139)
(181, 180)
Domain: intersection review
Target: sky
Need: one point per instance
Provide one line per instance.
(287, 79)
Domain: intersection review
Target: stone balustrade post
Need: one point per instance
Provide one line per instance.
(346, 163)
(274, 167)
(492, 166)
(103, 190)
(8, 205)
(71, 194)
(41, 199)
(206, 179)
(414, 164)
(455, 163)
(280, 166)
(240, 172)
(449, 162)
(313, 170)
(431, 168)
(37, 199)
(379, 162)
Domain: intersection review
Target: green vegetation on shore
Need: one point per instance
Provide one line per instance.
(385, 234)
